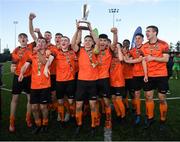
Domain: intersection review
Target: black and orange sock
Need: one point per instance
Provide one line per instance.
(55, 105)
(45, 121)
(118, 113)
(93, 119)
(137, 103)
(150, 109)
(126, 103)
(102, 106)
(72, 108)
(38, 122)
(108, 113)
(12, 120)
(163, 111)
(121, 106)
(66, 106)
(61, 112)
(79, 118)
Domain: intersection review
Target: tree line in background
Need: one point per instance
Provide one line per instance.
(175, 47)
(6, 55)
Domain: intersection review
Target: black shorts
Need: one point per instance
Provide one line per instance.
(86, 90)
(40, 96)
(118, 91)
(138, 83)
(159, 83)
(129, 85)
(65, 88)
(53, 83)
(18, 87)
(103, 88)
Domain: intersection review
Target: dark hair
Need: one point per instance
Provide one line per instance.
(120, 44)
(66, 37)
(59, 34)
(139, 34)
(23, 34)
(127, 40)
(109, 40)
(89, 36)
(44, 39)
(154, 28)
(103, 36)
(48, 32)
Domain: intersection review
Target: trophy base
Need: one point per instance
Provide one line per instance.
(83, 25)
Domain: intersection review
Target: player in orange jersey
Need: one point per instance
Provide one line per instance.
(156, 57)
(48, 37)
(128, 75)
(136, 58)
(18, 59)
(117, 81)
(65, 78)
(40, 85)
(87, 77)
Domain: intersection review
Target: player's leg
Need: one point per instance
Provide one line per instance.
(163, 106)
(26, 87)
(71, 95)
(16, 89)
(149, 107)
(44, 101)
(119, 100)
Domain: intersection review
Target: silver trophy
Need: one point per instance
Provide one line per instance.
(83, 23)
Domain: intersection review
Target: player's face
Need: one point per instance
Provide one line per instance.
(125, 44)
(139, 40)
(64, 43)
(41, 44)
(58, 39)
(23, 40)
(150, 33)
(103, 43)
(88, 42)
(48, 37)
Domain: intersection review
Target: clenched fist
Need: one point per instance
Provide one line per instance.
(32, 16)
(114, 30)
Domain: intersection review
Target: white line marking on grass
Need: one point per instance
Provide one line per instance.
(156, 99)
(5, 89)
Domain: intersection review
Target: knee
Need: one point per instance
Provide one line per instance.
(162, 98)
(93, 106)
(149, 97)
(78, 107)
(137, 94)
(15, 99)
(43, 107)
(35, 108)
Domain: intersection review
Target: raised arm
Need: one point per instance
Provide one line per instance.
(96, 40)
(31, 28)
(76, 39)
(120, 55)
(115, 38)
(37, 30)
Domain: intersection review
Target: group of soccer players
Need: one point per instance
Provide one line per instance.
(71, 75)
